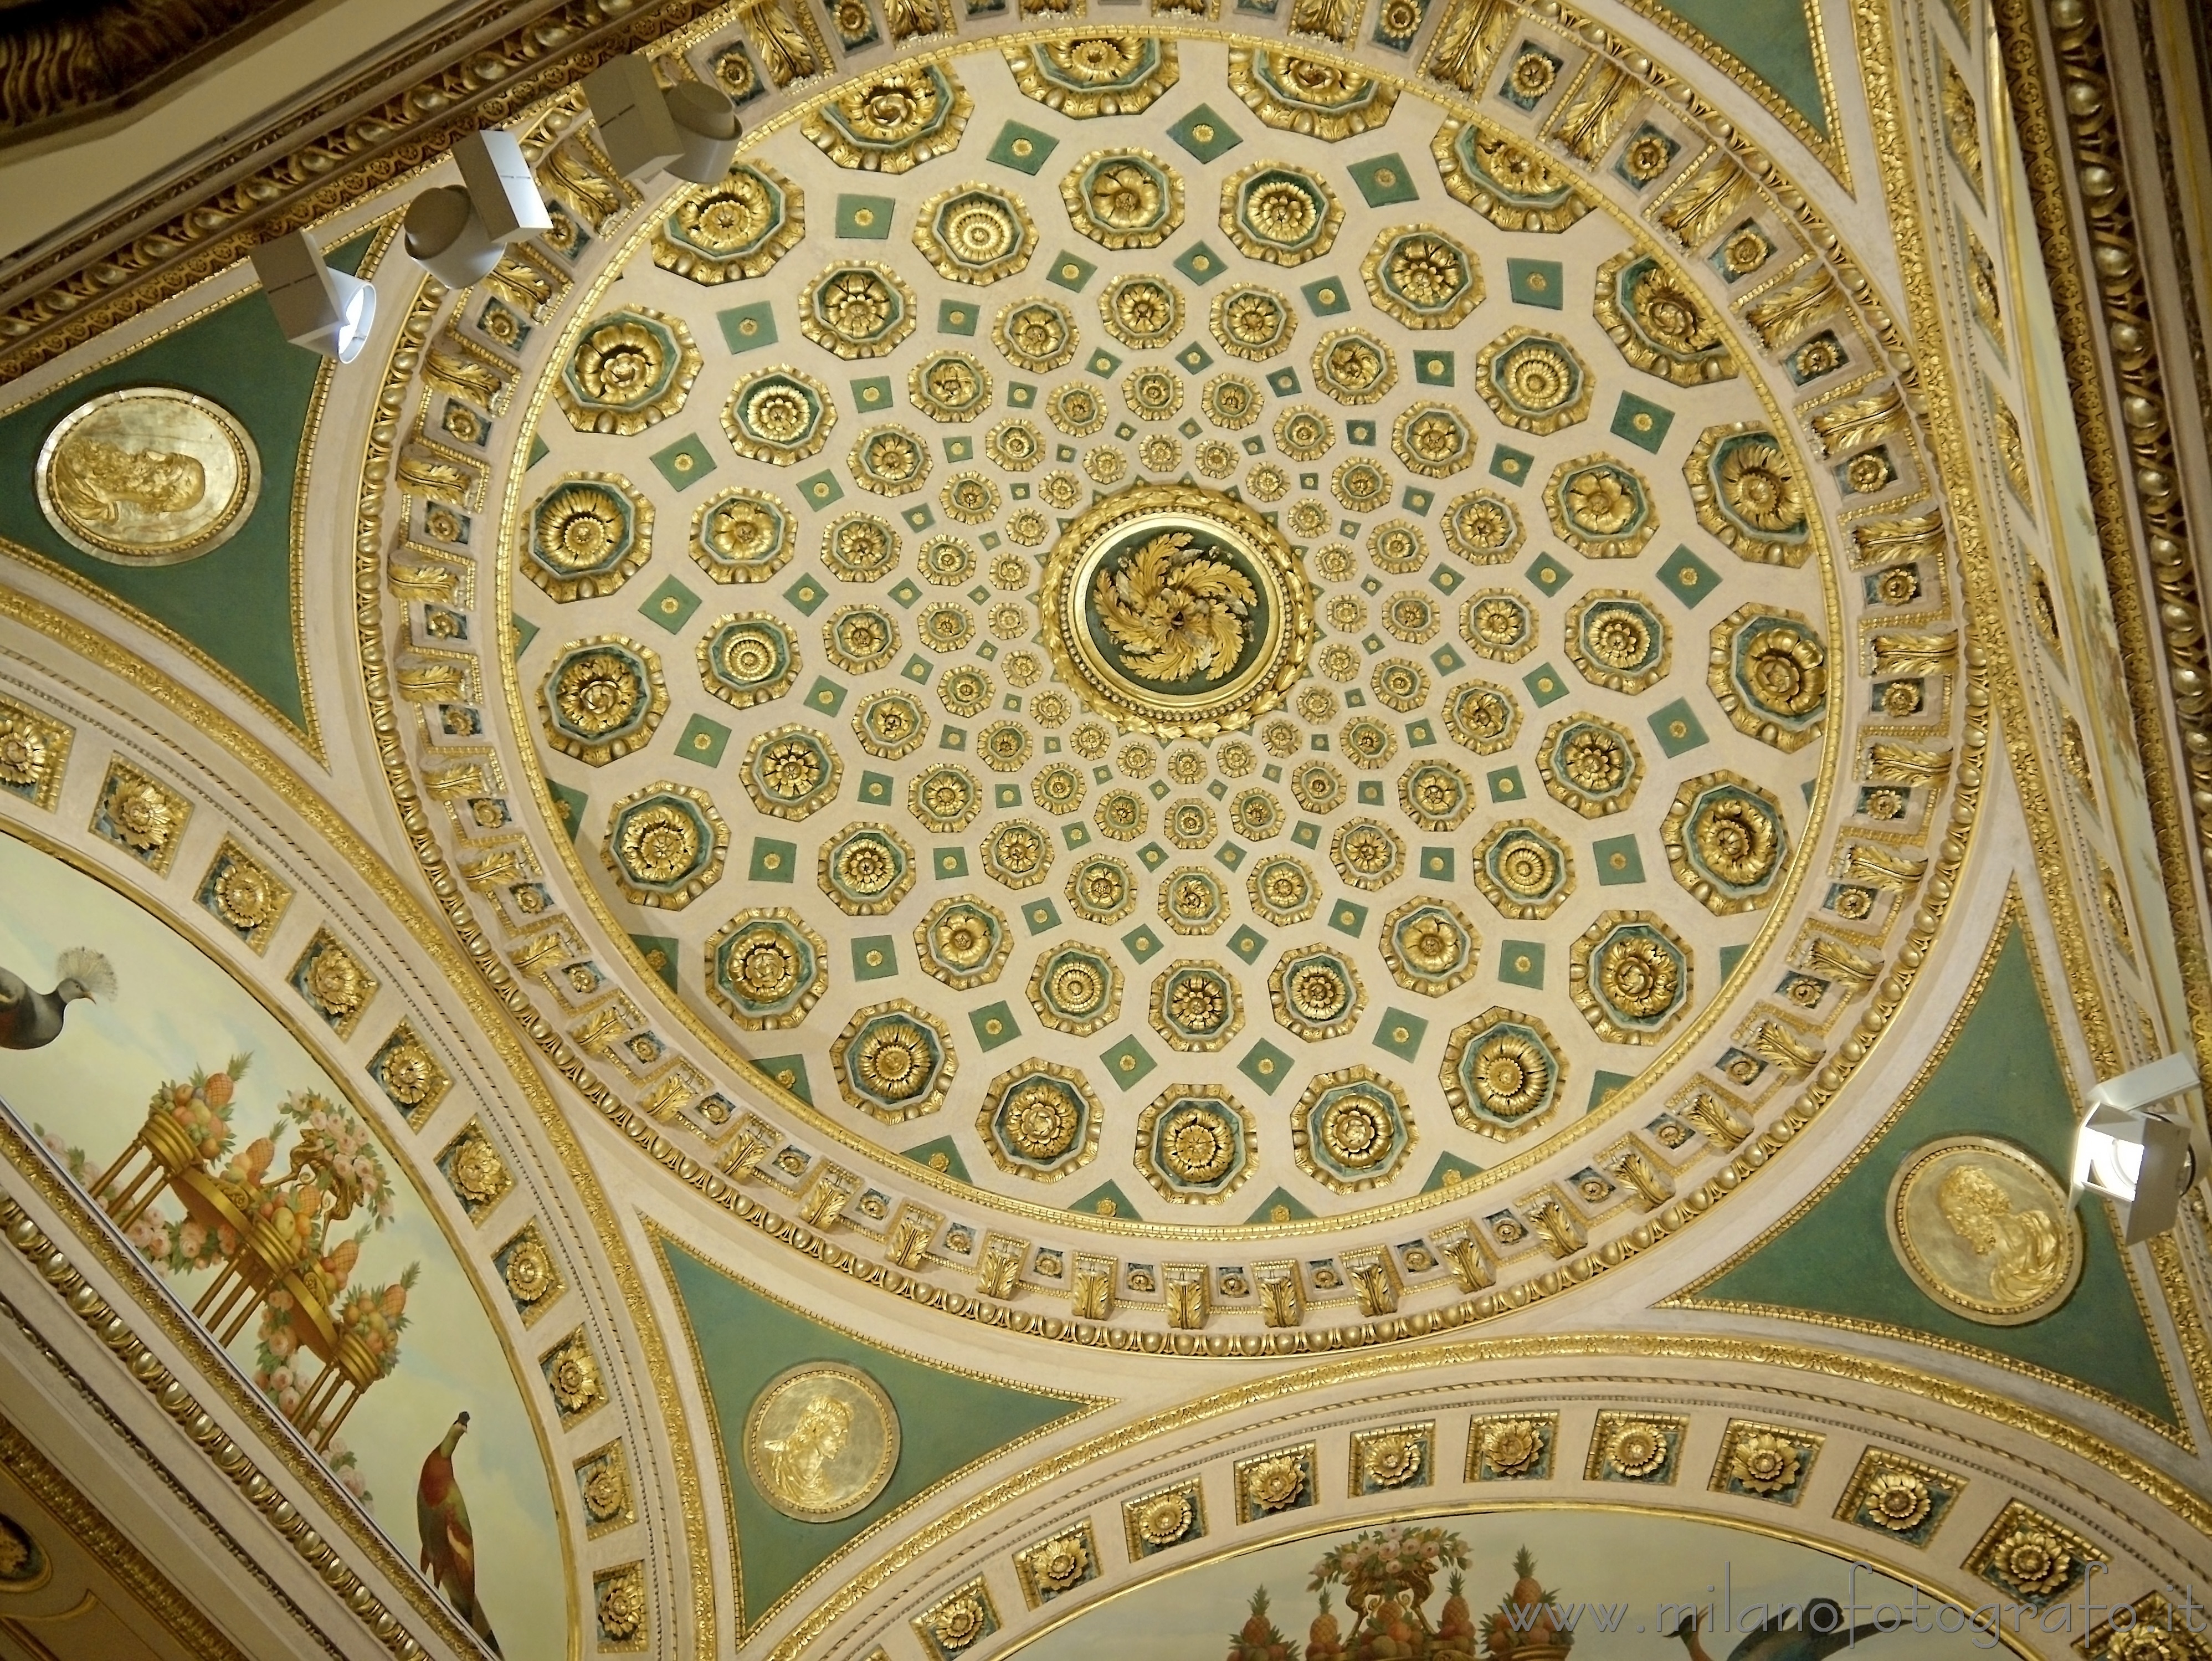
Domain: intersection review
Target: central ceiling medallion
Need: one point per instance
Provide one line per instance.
(1176, 611)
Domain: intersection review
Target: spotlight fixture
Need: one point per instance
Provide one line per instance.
(2142, 1161)
(460, 231)
(690, 129)
(324, 310)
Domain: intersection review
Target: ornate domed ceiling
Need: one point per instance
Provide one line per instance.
(1259, 640)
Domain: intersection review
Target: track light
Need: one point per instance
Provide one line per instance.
(460, 231)
(2140, 1160)
(689, 130)
(325, 311)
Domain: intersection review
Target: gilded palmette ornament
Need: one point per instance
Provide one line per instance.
(1781, 318)
(1861, 422)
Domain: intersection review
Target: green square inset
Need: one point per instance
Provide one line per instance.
(789, 1071)
(1195, 360)
(1506, 785)
(904, 591)
(1248, 943)
(1008, 796)
(1401, 1033)
(1511, 464)
(1419, 734)
(961, 447)
(684, 462)
(876, 789)
(1689, 577)
(539, 449)
(1605, 1085)
(1152, 856)
(1619, 862)
(1230, 854)
(1417, 499)
(1075, 834)
(1070, 271)
(820, 490)
(1265, 1066)
(1548, 574)
(1200, 264)
(875, 957)
(1126, 1062)
(1445, 579)
(524, 632)
(918, 669)
(1434, 369)
(1447, 658)
(825, 697)
(1020, 395)
(919, 518)
(1325, 297)
(807, 594)
(1347, 917)
(1642, 422)
(1731, 956)
(1385, 179)
(948, 738)
(1369, 793)
(1143, 944)
(569, 805)
(949, 863)
(1284, 383)
(703, 741)
(995, 1024)
(1677, 727)
(1359, 432)
(748, 328)
(1102, 363)
(1205, 134)
(1438, 864)
(660, 952)
(1537, 282)
(868, 217)
(956, 316)
(1545, 684)
(671, 604)
(773, 861)
(1306, 834)
(1521, 963)
(872, 393)
(1042, 916)
(1023, 148)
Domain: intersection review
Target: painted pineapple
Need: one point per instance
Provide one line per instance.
(1324, 1641)
(1525, 1620)
(1456, 1632)
(1258, 1639)
(1395, 1631)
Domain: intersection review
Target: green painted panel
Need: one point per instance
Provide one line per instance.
(235, 604)
(2002, 1077)
(947, 1420)
(1772, 39)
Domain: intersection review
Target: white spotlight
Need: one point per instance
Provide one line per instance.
(325, 311)
(457, 231)
(690, 129)
(2140, 1160)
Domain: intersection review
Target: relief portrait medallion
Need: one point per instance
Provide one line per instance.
(1984, 1229)
(147, 476)
(1176, 610)
(821, 1441)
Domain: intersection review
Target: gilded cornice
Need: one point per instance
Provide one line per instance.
(378, 128)
(177, 1399)
(61, 64)
(85, 1522)
(2133, 475)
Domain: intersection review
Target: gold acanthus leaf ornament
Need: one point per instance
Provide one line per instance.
(1174, 613)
